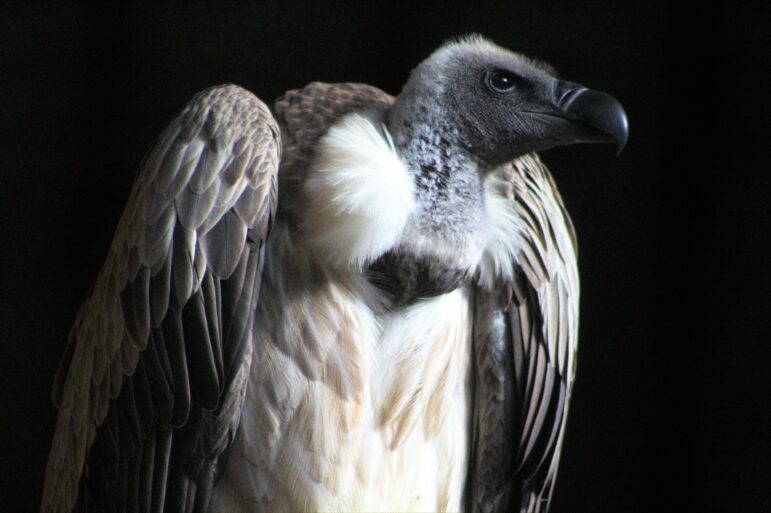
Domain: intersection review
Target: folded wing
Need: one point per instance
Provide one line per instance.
(152, 382)
(525, 336)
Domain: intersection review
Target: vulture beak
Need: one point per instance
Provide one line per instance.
(597, 111)
(575, 114)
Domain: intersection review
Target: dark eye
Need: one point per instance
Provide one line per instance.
(502, 81)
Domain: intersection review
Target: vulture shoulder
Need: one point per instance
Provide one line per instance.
(525, 337)
(150, 388)
(305, 115)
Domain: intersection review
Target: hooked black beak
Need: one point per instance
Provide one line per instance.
(593, 116)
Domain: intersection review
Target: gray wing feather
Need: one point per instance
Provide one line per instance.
(150, 387)
(525, 339)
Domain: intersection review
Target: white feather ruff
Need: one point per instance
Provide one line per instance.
(502, 240)
(358, 194)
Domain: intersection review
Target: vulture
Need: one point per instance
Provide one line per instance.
(351, 302)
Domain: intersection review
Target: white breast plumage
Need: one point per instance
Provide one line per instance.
(348, 407)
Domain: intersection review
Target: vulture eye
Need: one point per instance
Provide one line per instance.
(502, 81)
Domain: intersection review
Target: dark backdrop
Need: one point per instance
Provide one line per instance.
(671, 403)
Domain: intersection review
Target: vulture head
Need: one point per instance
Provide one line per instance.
(465, 111)
(495, 105)
(424, 210)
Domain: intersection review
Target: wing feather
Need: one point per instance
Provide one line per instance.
(525, 337)
(148, 389)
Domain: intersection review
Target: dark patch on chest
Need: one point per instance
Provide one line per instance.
(434, 176)
(407, 278)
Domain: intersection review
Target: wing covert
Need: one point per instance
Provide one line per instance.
(150, 388)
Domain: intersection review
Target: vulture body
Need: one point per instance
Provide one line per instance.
(357, 302)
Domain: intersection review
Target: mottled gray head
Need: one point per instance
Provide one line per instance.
(496, 105)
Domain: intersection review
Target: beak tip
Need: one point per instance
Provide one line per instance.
(602, 112)
(612, 118)
(621, 144)
(622, 135)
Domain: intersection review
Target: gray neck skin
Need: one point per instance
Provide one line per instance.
(449, 200)
(449, 189)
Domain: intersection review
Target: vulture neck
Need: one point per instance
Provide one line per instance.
(448, 186)
(430, 146)
(441, 240)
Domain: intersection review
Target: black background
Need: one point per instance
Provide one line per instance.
(671, 404)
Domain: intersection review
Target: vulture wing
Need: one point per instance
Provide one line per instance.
(525, 335)
(152, 382)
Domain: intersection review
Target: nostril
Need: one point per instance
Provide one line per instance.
(568, 96)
